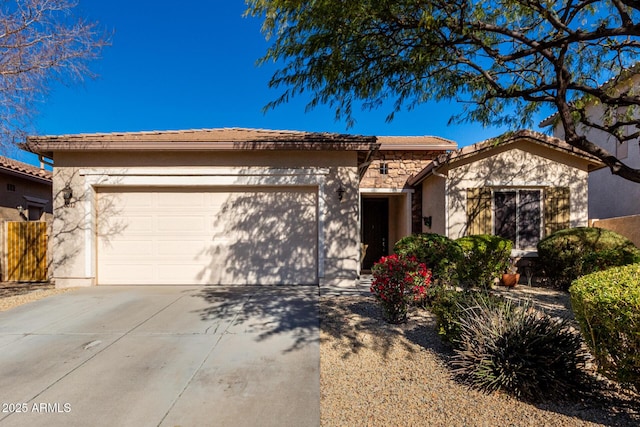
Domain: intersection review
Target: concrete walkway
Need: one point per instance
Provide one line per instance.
(162, 356)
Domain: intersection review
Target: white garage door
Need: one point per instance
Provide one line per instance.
(188, 236)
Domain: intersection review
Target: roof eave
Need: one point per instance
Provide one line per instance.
(26, 175)
(420, 147)
(48, 147)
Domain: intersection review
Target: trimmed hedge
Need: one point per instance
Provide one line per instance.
(606, 304)
(438, 252)
(574, 252)
(486, 257)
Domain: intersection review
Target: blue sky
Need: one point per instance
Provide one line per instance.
(191, 65)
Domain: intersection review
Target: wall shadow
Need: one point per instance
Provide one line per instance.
(263, 236)
(72, 220)
(273, 234)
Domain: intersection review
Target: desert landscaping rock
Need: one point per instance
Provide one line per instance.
(13, 295)
(373, 373)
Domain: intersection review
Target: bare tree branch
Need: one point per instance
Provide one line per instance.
(40, 41)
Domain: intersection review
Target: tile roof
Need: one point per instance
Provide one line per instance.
(199, 139)
(17, 167)
(210, 135)
(415, 143)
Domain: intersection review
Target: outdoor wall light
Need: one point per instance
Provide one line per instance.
(67, 195)
(427, 221)
(340, 192)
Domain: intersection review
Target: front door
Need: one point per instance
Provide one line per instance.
(375, 230)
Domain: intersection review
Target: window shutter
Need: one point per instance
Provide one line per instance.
(556, 209)
(478, 211)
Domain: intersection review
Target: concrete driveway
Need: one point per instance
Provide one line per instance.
(163, 356)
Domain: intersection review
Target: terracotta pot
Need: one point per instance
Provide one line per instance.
(510, 279)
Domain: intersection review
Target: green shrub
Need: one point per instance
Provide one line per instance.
(485, 258)
(517, 349)
(438, 252)
(449, 306)
(571, 253)
(606, 304)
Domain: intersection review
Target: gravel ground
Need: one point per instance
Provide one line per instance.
(376, 374)
(15, 294)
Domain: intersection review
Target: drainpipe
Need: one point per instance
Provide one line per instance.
(43, 162)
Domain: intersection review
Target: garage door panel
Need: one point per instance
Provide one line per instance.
(184, 224)
(185, 249)
(210, 236)
(116, 249)
(187, 199)
(135, 224)
(132, 272)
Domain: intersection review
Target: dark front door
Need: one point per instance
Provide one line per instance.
(375, 230)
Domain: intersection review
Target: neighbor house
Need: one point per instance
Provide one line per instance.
(522, 186)
(610, 195)
(25, 191)
(228, 206)
(25, 205)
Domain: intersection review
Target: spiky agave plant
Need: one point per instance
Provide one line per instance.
(515, 348)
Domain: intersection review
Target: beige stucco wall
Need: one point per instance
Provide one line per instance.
(434, 203)
(518, 165)
(74, 226)
(628, 226)
(10, 200)
(398, 218)
(609, 195)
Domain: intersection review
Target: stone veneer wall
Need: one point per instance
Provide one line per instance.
(402, 164)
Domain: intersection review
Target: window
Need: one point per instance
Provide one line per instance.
(35, 212)
(11, 187)
(35, 207)
(521, 215)
(518, 217)
(384, 168)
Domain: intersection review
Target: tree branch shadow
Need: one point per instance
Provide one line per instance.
(266, 311)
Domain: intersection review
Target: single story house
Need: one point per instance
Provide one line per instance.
(252, 206)
(228, 206)
(25, 191)
(522, 186)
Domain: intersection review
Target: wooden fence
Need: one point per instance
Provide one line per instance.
(25, 252)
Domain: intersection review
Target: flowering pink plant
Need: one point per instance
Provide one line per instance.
(398, 281)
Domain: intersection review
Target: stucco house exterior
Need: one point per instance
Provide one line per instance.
(252, 206)
(522, 186)
(610, 195)
(225, 206)
(25, 191)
